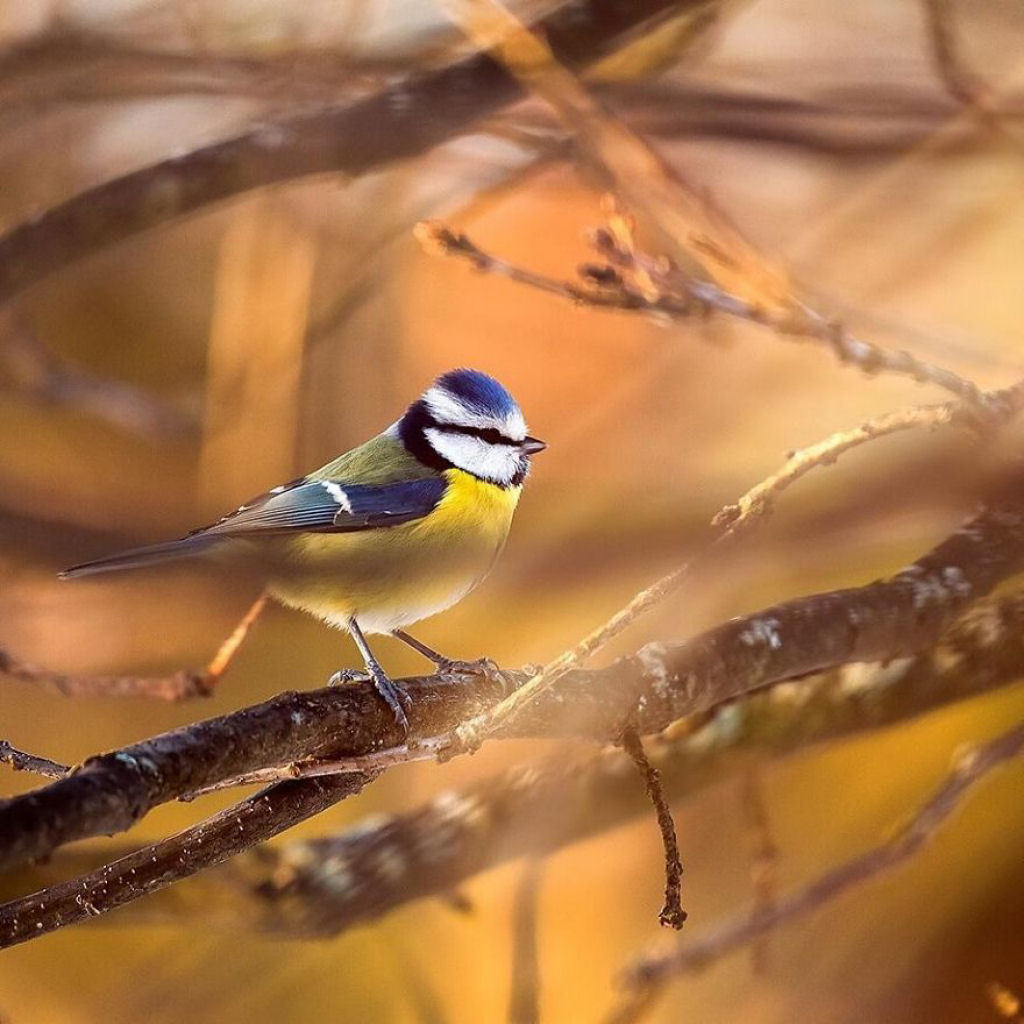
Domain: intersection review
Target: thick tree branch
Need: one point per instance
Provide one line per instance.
(211, 842)
(729, 523)
(661, 683)
(326, 885)
(405, 120)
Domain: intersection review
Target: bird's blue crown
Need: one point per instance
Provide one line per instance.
(478, 391)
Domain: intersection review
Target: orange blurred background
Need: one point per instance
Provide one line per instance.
(286, 326)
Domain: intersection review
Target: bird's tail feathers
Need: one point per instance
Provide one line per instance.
(138, 557)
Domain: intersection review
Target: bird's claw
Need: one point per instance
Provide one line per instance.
(349, 676)
(396, 699)
(392, 694)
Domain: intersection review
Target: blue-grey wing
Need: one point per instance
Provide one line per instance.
(329, 506)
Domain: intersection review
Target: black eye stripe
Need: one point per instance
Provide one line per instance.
(488, 434)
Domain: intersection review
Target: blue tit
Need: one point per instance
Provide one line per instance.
(393, 531)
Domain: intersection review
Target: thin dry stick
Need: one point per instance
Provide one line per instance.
(182, 685)
(672, 914)
(425, 750)
(731, 521)
(968, 770)
(758, 500)
(226, 652)
(524, 995)
(23, 762)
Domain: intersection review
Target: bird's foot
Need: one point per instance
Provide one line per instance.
(478, 667)
(393, 695)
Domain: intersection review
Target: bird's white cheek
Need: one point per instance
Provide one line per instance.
(496, 462)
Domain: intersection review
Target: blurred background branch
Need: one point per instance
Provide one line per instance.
(26, 365)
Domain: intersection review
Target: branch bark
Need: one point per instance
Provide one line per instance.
(212, 842)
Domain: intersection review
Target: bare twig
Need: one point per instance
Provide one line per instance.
(968, 771)
(672, 914)
(524, 995)
(681, 298)
(226, 652)
(23, 762)
(687, 222)
(182, 685)
(312, 768)
(759, 498)
(876, 122)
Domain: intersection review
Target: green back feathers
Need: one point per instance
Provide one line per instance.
(381, 460)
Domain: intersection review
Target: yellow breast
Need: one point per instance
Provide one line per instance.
(391, 577)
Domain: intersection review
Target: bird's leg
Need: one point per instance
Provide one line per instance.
(393, 695)
(219, 663)
(445, 666)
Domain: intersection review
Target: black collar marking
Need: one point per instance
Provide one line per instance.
(411, 430)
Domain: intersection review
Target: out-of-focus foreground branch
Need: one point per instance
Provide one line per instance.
(660, 684)
(404, 120)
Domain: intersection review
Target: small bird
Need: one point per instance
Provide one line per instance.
(400, 528)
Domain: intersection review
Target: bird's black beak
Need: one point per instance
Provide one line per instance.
(532, 445)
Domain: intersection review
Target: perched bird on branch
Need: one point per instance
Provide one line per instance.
(391, 532)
